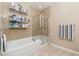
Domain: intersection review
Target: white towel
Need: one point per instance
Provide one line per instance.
(2, 43)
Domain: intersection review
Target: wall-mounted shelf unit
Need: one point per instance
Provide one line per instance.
(18, 11)
(18, 27)
(18, 22)
(18, 8)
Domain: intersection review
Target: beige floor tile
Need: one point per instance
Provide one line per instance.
(53, 51)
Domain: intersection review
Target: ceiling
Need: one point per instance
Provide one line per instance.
(40, 5)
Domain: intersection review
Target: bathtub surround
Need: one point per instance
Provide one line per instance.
(25, 47)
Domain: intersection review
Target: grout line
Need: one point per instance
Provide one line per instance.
(69, 50)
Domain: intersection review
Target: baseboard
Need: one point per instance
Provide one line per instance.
(66, 49)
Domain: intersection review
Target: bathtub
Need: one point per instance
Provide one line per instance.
(23, 47)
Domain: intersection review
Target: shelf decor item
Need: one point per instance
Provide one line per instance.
(2, 26)
(18, 8)
(18, 22)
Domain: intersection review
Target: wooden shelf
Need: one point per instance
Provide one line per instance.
(18, 27)
(18, 24)
(18, 21)
(19, 11)
(15, 26)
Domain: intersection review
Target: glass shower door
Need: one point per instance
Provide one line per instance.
(40, 28)
(36, 25)
(44, 29)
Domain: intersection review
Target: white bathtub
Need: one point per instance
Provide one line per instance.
(23, 47)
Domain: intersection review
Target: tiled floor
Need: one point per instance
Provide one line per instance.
(53, 51)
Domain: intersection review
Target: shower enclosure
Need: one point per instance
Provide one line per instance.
(40, 28)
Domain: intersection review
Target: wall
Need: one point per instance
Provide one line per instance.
(64, 13)
(46, 12)
(0, 14)
(13, 34)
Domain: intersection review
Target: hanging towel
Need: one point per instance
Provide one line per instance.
(1, 43)
(4, 42)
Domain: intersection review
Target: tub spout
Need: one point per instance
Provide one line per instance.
(34, 39)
